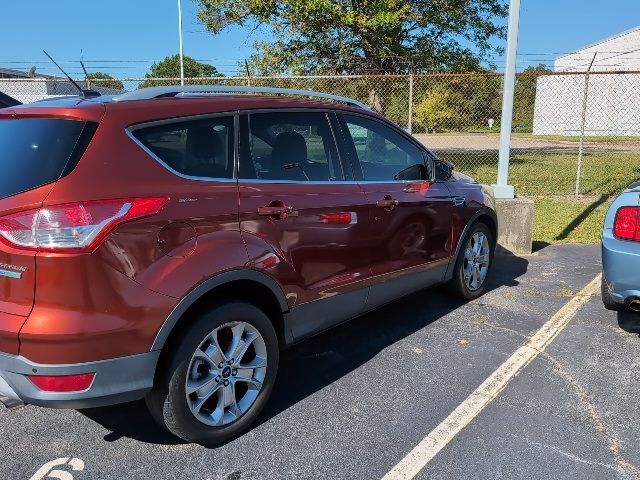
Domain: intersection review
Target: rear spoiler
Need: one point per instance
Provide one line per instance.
(7, 101)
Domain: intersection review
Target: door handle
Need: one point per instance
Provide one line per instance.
(279, 212)
(388, 203)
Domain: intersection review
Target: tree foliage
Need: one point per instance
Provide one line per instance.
(170, 68)
(468, 101)
(525, 97)
(354, 36)
(435, 111)
(99, 79)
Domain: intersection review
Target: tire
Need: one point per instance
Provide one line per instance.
(459, 285)
(608, 302)
(246, 388)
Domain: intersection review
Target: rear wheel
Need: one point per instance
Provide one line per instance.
(474, 263)
(219, 377)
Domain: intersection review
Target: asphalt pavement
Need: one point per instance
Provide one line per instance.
(351, 403)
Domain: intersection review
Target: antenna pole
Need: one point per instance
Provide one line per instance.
(83, 93)
(65, 73)
(86, 74)
(246, 66)
(180, 39)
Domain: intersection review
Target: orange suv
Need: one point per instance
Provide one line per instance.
(168, 242)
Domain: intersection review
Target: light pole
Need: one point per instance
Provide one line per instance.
(180, 37)
(502, 189)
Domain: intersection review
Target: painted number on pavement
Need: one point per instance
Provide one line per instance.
(58, 468)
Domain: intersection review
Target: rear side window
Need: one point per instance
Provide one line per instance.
(199, 148)
(37, 151)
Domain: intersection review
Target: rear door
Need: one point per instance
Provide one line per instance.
(409, 213)
(302, 219)
(34, 154)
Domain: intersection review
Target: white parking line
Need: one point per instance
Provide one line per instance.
(440, 436)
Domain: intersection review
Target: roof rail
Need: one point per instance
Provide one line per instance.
(173, 91)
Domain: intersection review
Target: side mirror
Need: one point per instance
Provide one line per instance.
(444, 169)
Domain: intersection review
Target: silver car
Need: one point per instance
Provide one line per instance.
(621, 252)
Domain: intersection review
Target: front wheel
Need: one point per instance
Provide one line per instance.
(219, 376)
(474, 263)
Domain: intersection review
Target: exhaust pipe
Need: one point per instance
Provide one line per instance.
(634, 304)
(11, 403)
(8, 397)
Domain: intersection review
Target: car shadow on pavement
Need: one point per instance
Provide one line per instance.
(315, 363)
(629, 322)
(130, 420)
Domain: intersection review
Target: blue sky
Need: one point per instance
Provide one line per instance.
(123, 37)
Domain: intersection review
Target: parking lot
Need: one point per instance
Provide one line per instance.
(352, 403)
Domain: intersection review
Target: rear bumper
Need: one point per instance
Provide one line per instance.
(116, 381)
(620, 265)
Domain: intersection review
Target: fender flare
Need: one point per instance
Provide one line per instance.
(205, 287)
(482, 212)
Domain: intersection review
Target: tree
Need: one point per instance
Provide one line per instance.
(434, 112)
(170, 68)
(352, 36)
(525, 96)
(99, 79)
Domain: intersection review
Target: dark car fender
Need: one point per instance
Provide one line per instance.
(482, 212)
(208, 285)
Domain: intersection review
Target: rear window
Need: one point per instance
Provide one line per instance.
(34, 152)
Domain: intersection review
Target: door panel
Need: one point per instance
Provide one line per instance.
(409, 214)
(302, 224)
(312, 249)
(415, 237)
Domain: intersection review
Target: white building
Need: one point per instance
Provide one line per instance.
(30, 87)
(613, 98)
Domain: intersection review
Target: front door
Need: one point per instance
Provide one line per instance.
(409, 214)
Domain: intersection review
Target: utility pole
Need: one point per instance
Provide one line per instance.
(502, 189)
(582, 123)
(180, 37)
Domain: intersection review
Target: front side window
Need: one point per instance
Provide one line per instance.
(197, 148)
(384, 154)
(290, 146)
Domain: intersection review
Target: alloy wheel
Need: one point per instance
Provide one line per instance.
(476, 261)
(226, 373)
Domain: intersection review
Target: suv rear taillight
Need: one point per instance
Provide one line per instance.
(73, 227)
(626, 226)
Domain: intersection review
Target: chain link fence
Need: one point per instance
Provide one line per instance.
(576, 133)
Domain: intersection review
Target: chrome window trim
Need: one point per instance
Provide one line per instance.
(330, 182)
(167, 121)
(236, 114)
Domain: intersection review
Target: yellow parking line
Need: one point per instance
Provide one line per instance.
(482, 396)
